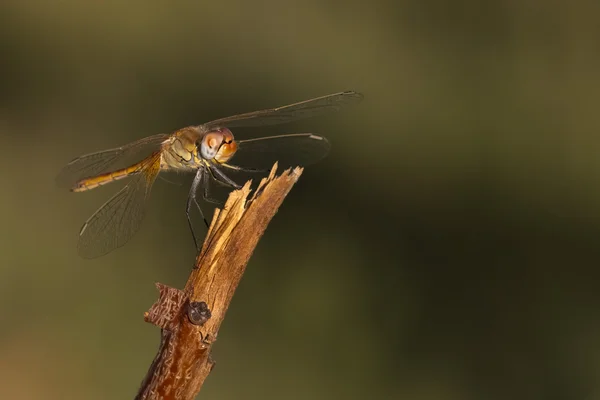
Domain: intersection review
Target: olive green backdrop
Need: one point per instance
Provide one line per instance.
(448, 247)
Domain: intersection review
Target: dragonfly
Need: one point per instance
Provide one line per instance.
(209, 150)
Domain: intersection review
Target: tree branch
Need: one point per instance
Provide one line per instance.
(190, 319)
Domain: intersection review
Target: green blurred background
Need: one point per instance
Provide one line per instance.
(446, 249)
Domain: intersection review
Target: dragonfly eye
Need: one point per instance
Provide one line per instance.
(227, 148)
(211, 142)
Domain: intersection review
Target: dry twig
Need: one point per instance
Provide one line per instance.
(190, 319)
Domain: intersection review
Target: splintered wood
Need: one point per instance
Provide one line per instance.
(190, 319)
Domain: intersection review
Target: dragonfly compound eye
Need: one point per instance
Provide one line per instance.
(226, 151)
(227, 148)
(210, 145)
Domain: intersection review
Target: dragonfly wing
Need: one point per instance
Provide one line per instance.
(93, 164)
(113, 224)
(255, 158)
(279, 115)
(292, 150)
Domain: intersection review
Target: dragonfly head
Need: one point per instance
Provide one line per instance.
(218, 145)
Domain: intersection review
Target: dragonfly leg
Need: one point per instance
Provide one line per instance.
(205, 183)
(237, 168)
(219, 176)
(192, 198)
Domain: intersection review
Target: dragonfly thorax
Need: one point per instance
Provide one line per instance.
(190, 148)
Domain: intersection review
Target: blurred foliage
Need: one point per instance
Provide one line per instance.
(446, 249)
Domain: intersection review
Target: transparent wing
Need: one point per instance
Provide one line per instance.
(260, 154)
(292, 112)
(103, 161)
(292, 150)
(113, 224)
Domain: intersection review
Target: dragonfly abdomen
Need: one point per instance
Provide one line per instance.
(103, 179)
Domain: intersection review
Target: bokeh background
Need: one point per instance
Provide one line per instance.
(448, 247)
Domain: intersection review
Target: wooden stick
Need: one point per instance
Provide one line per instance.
(190, 319)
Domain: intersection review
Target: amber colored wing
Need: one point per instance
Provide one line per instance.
(279, 115)
(115, 222)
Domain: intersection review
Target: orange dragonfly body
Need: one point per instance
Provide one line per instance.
(204, 149)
